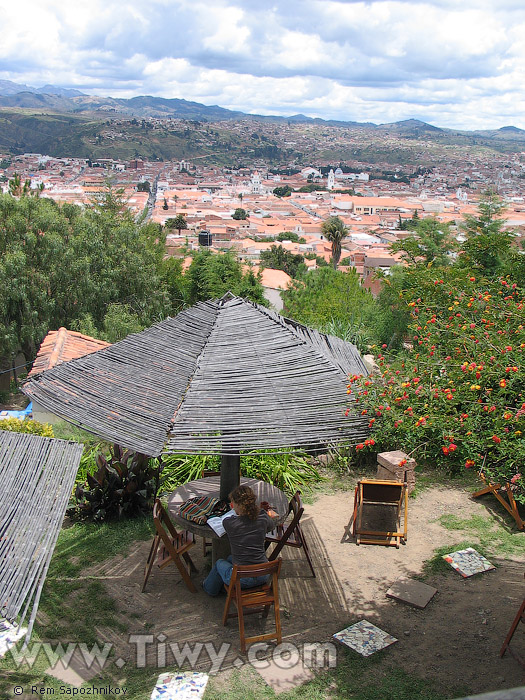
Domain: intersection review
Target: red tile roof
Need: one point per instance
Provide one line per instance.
(62, 346)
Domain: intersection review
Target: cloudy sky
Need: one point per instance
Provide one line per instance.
(452, 64)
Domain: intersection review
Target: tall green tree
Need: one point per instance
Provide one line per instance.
(489, 244)
(334, 230)
(211, 275)
(240, 214)
(430, 242)
(333, 302)
(178, 222)
(278, 258)
(62, 264)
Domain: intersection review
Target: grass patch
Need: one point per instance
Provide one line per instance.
(85, 544)
(492, 536)
(71, 602)
(429, 478)
(67, 431)
(354, 677)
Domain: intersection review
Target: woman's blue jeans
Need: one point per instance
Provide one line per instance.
(221, 574)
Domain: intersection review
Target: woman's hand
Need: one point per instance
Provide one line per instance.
(266, 506)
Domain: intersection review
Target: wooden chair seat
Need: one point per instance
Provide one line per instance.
(254, 600)
(290, 534)
(170, 546)
(383, 494)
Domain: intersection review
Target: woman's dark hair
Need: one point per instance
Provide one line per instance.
(244, 497)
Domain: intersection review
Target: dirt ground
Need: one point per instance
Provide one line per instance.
(455, 640)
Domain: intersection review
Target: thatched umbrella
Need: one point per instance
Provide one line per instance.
(221, 377)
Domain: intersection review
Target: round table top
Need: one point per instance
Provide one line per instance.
(210, 486)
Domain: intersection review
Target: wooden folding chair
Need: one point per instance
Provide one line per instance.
(380, 497)
(254, 600)
(174, 547)
(291, 534)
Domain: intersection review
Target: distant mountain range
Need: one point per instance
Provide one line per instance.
(63, 121)
(66, 100)
(7, 87)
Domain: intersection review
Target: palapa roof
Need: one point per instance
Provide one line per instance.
(223, 376)
(37, 475)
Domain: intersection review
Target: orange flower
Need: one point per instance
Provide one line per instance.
(503, 383)
(496, 439)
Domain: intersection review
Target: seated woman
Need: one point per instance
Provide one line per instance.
(246, 534)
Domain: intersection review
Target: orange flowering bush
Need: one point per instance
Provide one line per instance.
(455, 397)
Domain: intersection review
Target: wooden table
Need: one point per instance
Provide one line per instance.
(210, 486)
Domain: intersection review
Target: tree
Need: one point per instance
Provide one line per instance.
(488, 245)
(60, 264)
(240, 214)
(430, 242)
(334, 230)
(144, 186)
(211, 275)
(284, 191)
(179, 222)
(16, 188)
(278, 258)
(333, 302)
(290, 236)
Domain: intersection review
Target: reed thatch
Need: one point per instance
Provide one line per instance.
(36, 476)
(220, 377)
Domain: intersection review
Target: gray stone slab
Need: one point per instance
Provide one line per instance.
(74, 671)
(411, 592)
(282, 679)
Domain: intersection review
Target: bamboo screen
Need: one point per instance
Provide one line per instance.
(36, 476)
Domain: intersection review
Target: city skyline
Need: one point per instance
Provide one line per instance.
(453, 67)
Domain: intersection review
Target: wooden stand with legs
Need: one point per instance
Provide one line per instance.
(520, 617)
(497, 490)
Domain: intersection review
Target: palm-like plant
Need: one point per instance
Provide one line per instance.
(334, 230)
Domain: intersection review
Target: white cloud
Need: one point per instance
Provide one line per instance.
(459, 65)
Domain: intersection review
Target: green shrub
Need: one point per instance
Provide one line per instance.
(289, 472)
(456, 399)
(33, 427)
(124, 484)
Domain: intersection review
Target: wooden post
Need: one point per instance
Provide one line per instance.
(230, 474)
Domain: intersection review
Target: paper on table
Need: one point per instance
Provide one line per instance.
(216, 523)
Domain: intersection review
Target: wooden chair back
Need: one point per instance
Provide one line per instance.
(173, 546)
(255, 599)
(291, 534)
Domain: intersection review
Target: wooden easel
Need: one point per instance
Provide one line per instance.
(509, 505)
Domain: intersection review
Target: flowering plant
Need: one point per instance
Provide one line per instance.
(455, 397)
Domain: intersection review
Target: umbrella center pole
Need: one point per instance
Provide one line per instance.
(230, 474)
